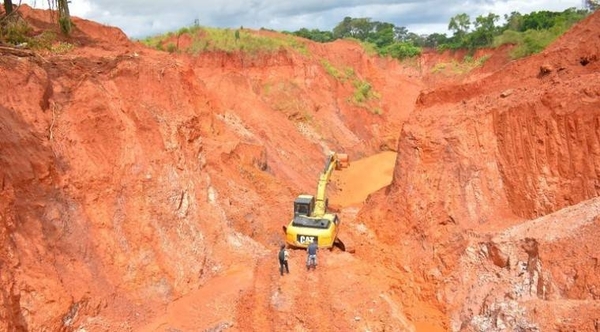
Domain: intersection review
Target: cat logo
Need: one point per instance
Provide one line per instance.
(306, 239)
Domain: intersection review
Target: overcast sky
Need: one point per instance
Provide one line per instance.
(142, 18)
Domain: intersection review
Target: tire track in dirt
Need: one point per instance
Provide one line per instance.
(308, 294)
(254, 310)
(298, 301)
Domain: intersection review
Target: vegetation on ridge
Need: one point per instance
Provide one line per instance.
(204, 39)
(530, 33)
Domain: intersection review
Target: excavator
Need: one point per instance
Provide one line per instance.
(312, 221)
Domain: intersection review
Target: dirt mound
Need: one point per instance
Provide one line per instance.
(146, 191)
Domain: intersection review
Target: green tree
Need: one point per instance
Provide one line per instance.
(435, 39)
(417, 40)
(460, 24)
(400, 34)
(382, 34)
(485, 31)
(343, 28)
(359, 28)
(544, 20)
(538, 20)
(514, 21)
(315, 35)
(592, 5)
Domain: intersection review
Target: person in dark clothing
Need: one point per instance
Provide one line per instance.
(283, 260)
(311, 255)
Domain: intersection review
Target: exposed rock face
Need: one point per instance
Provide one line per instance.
(92, 211)
(473, 160)
(533, 152)
(550, 264)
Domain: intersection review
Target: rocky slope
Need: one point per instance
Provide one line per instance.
(498, 152)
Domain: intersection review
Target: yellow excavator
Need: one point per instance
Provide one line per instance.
(312, 221)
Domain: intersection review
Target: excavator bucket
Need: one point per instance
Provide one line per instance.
(343, 160)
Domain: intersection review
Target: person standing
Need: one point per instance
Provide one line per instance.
(311, 258)
(283, 260)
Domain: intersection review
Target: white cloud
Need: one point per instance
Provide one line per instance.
(140, 18)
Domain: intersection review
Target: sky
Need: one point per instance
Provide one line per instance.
(144, 18)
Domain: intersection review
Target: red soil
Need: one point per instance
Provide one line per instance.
(145, 191)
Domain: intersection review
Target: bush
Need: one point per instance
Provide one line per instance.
(171, 48)
(508, 37)
(466, 65)
(44, 40)
(401, 50)
(363, 92)
(331, 70)
(15, 31)
(61, 47)
(533, 41)
(370, 48)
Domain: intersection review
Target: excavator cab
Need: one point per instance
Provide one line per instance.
(304, 205)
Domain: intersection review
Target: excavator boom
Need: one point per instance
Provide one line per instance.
(334, 161)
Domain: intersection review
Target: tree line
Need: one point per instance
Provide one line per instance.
(534, 31)
(484, 31)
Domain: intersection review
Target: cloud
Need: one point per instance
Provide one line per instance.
(140, 18)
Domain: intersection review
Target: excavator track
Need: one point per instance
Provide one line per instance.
(339, 244)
